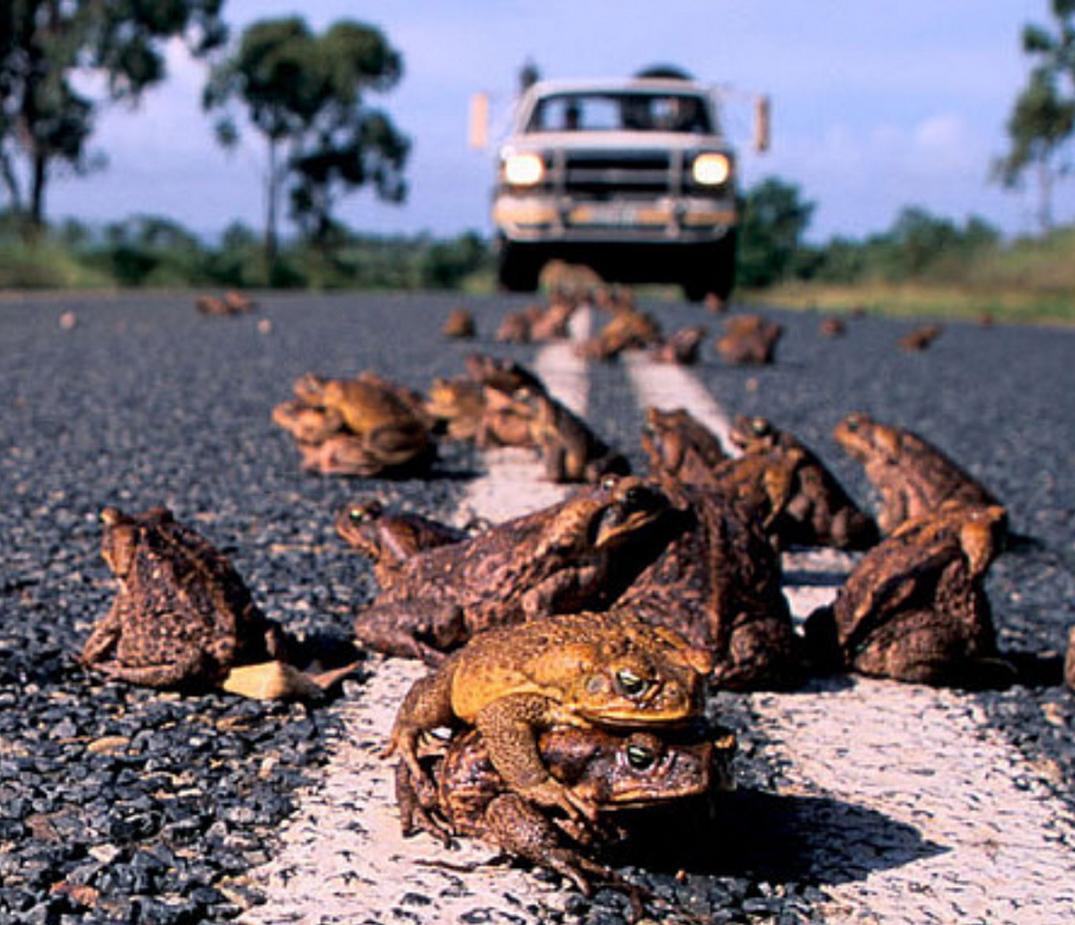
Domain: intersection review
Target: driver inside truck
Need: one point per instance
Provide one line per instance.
(572, 117)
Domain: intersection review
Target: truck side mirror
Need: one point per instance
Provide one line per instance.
(478, 121)
(761, 124)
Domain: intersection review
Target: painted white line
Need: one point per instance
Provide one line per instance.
(913, 754)
(342, 857)
(927, 758)
(669, 386)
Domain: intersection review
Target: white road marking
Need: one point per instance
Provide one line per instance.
(999, 843)
(913, 754)
(342, 857)
(669, 386)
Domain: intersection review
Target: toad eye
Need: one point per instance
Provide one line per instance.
(631, 684)
(639, 757)
(359, 515)
(760, 426)
(609, 482)
(852, 424)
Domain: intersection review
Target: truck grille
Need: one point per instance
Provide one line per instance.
(598, 172)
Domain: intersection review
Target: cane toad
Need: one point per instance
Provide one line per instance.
(578, 554)
(682, 347)
(384, 434)
(571, 451)
(583, 669)
(306, 423)
(459, 323)
(182, 616)
(680, 447)
(1069, 660)
(456, 406)
(915, 609)
(614, 772)
(921, 337)
(807, 506)
(390, 539)
(749, 339)
(717, 583)
(912, 476)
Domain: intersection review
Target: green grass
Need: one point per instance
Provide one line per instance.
(46, 266)
(1028, 281)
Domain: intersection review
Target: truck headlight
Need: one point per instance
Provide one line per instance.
(711, 169)
(523, 169)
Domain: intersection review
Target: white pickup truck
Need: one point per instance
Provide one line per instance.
(632, 177)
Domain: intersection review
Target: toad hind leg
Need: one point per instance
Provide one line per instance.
(507, 726)
(427, 705)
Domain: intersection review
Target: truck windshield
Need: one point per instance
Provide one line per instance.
(614, 112)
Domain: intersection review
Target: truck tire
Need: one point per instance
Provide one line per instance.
(518, 268)
(713, 271)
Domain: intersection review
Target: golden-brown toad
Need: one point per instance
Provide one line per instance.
(915, 609)
(456, 407)
(182, 616)
(615, 772)
(585, 669)
(385, 433)
(576, 555)
(306, 423)
(912, 476)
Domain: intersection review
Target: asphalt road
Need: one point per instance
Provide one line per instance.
(119, 804)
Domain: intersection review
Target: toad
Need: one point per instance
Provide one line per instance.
(627, 329)
(615, 772)
(921, 337)
(384, 434)
(1069, 660)
(459, 324)
(514, 328)
(571, 451)
(681, 347)
(456, 406)
(680, 447)
(306, 423)
(391, 538)
(807, 505)
(182, 618)
(915, 609)
(717, 583)
(575, 555)
(749, 339)
(832, 326)
(585, 669)
(912, 476)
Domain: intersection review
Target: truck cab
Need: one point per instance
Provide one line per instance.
(632, 177)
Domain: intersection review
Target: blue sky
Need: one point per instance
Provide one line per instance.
(875, 105)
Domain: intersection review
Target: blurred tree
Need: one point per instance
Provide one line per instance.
(304, 94)
(770, 233)
(45, 119)
(1043, 116)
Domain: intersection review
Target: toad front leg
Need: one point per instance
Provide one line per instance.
(507, 725)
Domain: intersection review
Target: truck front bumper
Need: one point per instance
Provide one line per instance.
(664, 220)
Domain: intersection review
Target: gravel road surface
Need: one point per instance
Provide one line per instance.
(119, 804)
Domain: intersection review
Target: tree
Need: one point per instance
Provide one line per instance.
(45, 120)
(770, 233)
(305, 94)
(1043, 117)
